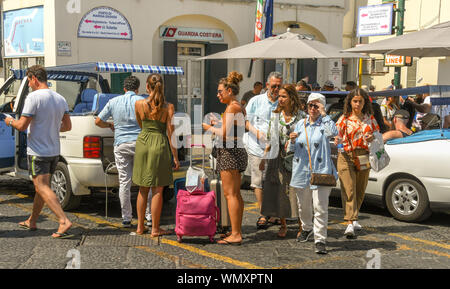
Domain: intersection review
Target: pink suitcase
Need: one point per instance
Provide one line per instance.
(196, 214)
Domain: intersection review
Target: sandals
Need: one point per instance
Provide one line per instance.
(63, 235)
(283, 232)
(274, 220)
(24, 226)
(225, 242)
(261, 225)
(162, 233)
(223, 236)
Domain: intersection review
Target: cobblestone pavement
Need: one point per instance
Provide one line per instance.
(100, 242)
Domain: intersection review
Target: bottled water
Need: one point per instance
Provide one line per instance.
(340, 145)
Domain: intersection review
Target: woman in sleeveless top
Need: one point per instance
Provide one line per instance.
(231, 156)
(153, 157)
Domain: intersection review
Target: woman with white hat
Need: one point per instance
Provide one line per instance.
(310, 142)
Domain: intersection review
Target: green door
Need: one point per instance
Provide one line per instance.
(117, 80)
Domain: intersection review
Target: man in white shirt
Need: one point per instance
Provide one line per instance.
(259, 109)
(46, 113)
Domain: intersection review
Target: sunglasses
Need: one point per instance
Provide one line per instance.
(312, 105)
(219, 91)
(275, 86)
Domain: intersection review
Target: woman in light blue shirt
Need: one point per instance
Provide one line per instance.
(319, 128)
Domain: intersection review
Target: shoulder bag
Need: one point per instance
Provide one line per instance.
(361, 162)
(316, 178)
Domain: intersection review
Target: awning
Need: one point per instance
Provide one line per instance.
(21, 74)
(117, 67)
(96, 67)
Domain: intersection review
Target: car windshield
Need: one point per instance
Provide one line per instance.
(71, 90)
(68, 89)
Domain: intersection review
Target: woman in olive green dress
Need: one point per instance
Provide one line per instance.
(153, 159)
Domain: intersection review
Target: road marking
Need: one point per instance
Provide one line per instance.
(251, 206)
(228, 259)
(101, 221)
(212, 255)
(177, 260)
(318, 261)
(176, 244)
(404, 237)
(431, 243)
(74, 224)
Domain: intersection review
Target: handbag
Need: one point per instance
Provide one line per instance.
(316, 178)
(361, 162)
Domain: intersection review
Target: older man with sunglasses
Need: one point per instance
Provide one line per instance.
(258, 110)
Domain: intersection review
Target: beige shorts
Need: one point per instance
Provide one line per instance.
(257, 176)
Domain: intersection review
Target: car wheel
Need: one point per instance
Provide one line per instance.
(407, 200)
(167, 194)
(60, 184)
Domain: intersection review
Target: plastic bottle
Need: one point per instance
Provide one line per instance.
(340, 145)
(340, 148)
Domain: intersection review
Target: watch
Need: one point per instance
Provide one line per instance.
(10, 122)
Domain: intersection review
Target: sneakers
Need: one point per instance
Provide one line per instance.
(357, 226)
(304, 236)
(350, 231)
(320, 248)
(126, 224)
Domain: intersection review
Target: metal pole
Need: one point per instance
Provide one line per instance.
(401, 16)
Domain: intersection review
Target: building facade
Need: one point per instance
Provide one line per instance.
(170, 32)
(419, 15)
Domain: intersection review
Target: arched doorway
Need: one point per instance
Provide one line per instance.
(179, 41)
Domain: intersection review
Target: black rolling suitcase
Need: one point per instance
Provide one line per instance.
(216, 186)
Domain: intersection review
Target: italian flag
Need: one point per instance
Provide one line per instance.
(258, 24)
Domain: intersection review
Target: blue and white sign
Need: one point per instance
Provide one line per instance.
(375, 20)
(105, 22)
(24, 32)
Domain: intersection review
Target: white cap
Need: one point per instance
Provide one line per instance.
(317, 96)
(328, 83)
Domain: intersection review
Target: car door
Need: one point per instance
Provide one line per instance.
(7, 137)
(21, 165)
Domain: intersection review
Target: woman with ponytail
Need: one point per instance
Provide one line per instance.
(153, 159)
(231, 154)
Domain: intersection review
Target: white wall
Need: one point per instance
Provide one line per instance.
(419, 15)
(236, 18)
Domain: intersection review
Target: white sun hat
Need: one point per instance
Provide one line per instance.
(317, 96)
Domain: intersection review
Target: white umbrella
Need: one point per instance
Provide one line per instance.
(285, 46)
(431, 42)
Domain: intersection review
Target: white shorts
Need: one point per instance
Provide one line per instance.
(257, 176)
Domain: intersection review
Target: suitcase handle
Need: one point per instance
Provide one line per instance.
(204, 152)
(197, 192)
